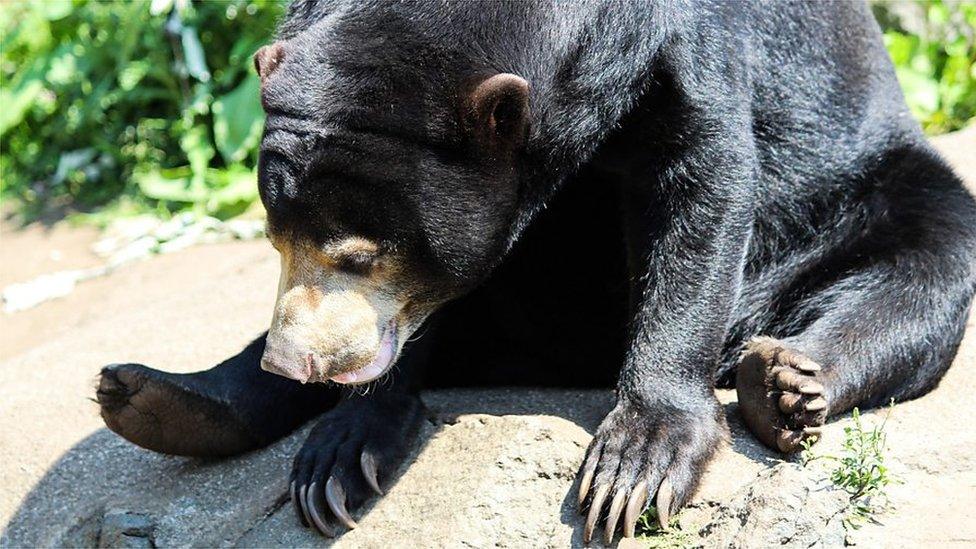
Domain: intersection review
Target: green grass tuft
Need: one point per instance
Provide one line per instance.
(860, 469)
(648, 531)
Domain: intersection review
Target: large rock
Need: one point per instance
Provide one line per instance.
(493, 469)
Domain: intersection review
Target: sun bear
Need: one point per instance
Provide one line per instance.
(667, 197)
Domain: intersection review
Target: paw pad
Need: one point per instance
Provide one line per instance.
(780, 395)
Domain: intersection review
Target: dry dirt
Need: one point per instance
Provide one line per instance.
(492, 468)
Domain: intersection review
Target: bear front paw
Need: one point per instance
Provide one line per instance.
(640, 450)
(349, 456)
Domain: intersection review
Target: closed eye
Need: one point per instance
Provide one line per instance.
(354, 255)
(357, 263)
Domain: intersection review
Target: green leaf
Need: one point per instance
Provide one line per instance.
(16, 103)
(169, 185)
(157, 7)
(938, 14)
(63, 70)
(921, 92)
(132, 74)
(54, 9)
(235, 185)
(900, 47)
(196, 63)
(195, 143)
(238, 120)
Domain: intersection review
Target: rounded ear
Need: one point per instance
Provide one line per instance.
(267, 59)
(498, 109)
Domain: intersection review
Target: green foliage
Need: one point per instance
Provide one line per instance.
(933, 46)
(649, 532)
(860, 469)
(154, 102)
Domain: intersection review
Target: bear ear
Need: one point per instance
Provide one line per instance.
(267, 59)
(498, 109)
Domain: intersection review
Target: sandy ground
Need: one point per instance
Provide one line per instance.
(190, 309)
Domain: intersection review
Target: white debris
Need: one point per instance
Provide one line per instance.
(127, 240)
(139, 249)
(245, 229)
(125, 231)
(24, 295)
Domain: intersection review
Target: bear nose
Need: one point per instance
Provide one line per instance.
(287, 364)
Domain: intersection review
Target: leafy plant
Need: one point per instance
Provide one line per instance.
(156, 102)
(860, 469)
(933, 46)
(649, 532)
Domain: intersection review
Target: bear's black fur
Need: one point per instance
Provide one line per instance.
(693, 174)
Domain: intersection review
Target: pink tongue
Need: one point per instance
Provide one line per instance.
(379, 364)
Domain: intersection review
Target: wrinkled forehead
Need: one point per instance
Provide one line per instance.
(355, 120)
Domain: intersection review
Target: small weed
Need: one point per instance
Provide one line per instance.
(650, 532)
(860, 469)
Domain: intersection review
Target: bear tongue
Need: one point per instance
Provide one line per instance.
(379, 365)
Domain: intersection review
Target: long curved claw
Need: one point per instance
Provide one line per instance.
(296, 505)
(335, 496)
(584, 488)
(635, 506)
(302, 498)
(807, 366)
(616, 506)
(787, 380)
(816, 405)
(596, 506)
(316, 514)
(665, 494)
(797, 360)
(811, 388)
(368, 465)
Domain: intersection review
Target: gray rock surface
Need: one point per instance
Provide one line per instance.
(785, 506)
(492, 468)
(125, 529)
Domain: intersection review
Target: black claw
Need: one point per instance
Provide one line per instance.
(293, 493)
(302, 498)
(368, 464)
(316, 514)
(335, 496)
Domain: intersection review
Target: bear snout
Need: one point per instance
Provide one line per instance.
(288, 364)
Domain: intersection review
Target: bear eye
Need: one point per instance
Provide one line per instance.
(358, 263)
